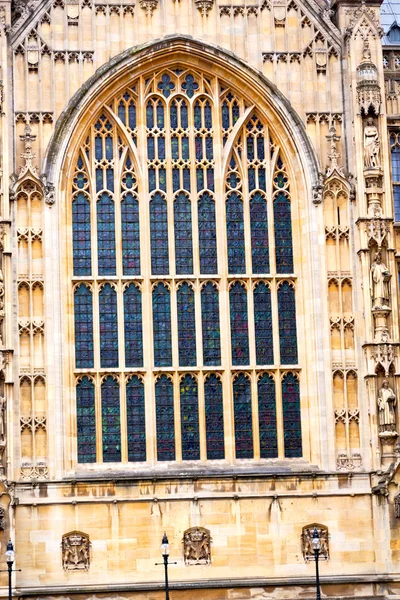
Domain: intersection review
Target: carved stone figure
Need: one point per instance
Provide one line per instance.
(379, 282)
(386, 405)
(371, 145)
(197, 546)
(306, 542)
(3, 403)
(2, 518)
(397, 506)
(75, 551)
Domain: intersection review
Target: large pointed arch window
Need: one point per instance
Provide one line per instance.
(183, 278)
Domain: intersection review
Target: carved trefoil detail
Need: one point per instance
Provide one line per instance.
(307, 535)
(197, 546)
(75, 551)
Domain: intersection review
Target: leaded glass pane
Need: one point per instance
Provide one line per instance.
(214, 418)
(259, 234)
(110, 414)
(130, 235)
(189, 418)
(106, 235)
(283, 234)
(159, 235)
(267, 417)
(396, 180)
(86, 421)
(165, 419)
(183, 234)
(162, 326)
(263, 324)
(108, 327)
(210, 325)
(133, 327)
(291, 416)
(135, 420)
(83, 311)
(235, 234)
(186, 326)
(243, 417)
(81, 235)
(207, 235)
(239, 324)
(287, 324)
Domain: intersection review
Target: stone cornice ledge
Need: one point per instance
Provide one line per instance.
(211, 583)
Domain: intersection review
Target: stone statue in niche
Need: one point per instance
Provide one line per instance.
(75, 551)
(2, 518)
(197, 546)
(307, 535)
(371, 146)
(379, 283)
(397, 506)
(386, 404)
(3, 404)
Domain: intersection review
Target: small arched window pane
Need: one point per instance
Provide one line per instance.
(207, 235)
(239, 325)
(165, 419)
(210, 325)
(291, 416)
(214, 418)
(135, 419)
(235, 234)
(83, 311)
(133, 327)
(283, 234)
(159, 235)
(108, 326)
(267, 417)
(106, 235)
(243, 417)
(81, 235)
(259, 234)
(287, 324)
(111, 420)
(183, 234)
(130, 235)
(189, 418)
(186, 326)
(86, 421)
(263, 325)
(162, 326)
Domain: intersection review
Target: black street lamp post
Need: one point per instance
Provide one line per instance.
(316, 545)
(165, 555)
(10, 556)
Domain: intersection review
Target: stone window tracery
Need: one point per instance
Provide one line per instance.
(175, 241)
(395, 153)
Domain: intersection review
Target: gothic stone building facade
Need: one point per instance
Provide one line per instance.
(199, 298)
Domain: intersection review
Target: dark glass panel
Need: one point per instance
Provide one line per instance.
(263, 325)
(287, 324)
(186, 326)
(243, 417)
(111, 420)
(86, 421)
(210, 325)
(162, 326)
(267, 417)
(133, 327)
(165, 419)
(83, 312)
(189, 418)
(235, 234)
(108, 327)
(159, 235)
(214, 418)
(396, 179)
(135, 420)
(283, 234)
(81, 235)
(291, 416)
(183, 234)
(130, 235)
(259, 234)
(239, 325)
(106, 235)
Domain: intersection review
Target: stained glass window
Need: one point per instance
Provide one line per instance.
(263, 324)
(287, 324)
(108, 326)
(130, 235)
(235, 234)
(243, 416)
(210, 324)
(395, 154)
(83, 311)
(267, 416)
(259, 233)
(106, 235)
(86, 421)
(133, 327)
(189, 418)
(135, 419)
(162, 326)
(186, 326)
(283, 234)
(111, 420)
(214, 417)
(165, 418)
(207, 235)
(81, 235)
(159, 235)
(183, 234)
(291, 416)
(239, 324)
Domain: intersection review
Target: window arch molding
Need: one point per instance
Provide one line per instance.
(299, 176)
